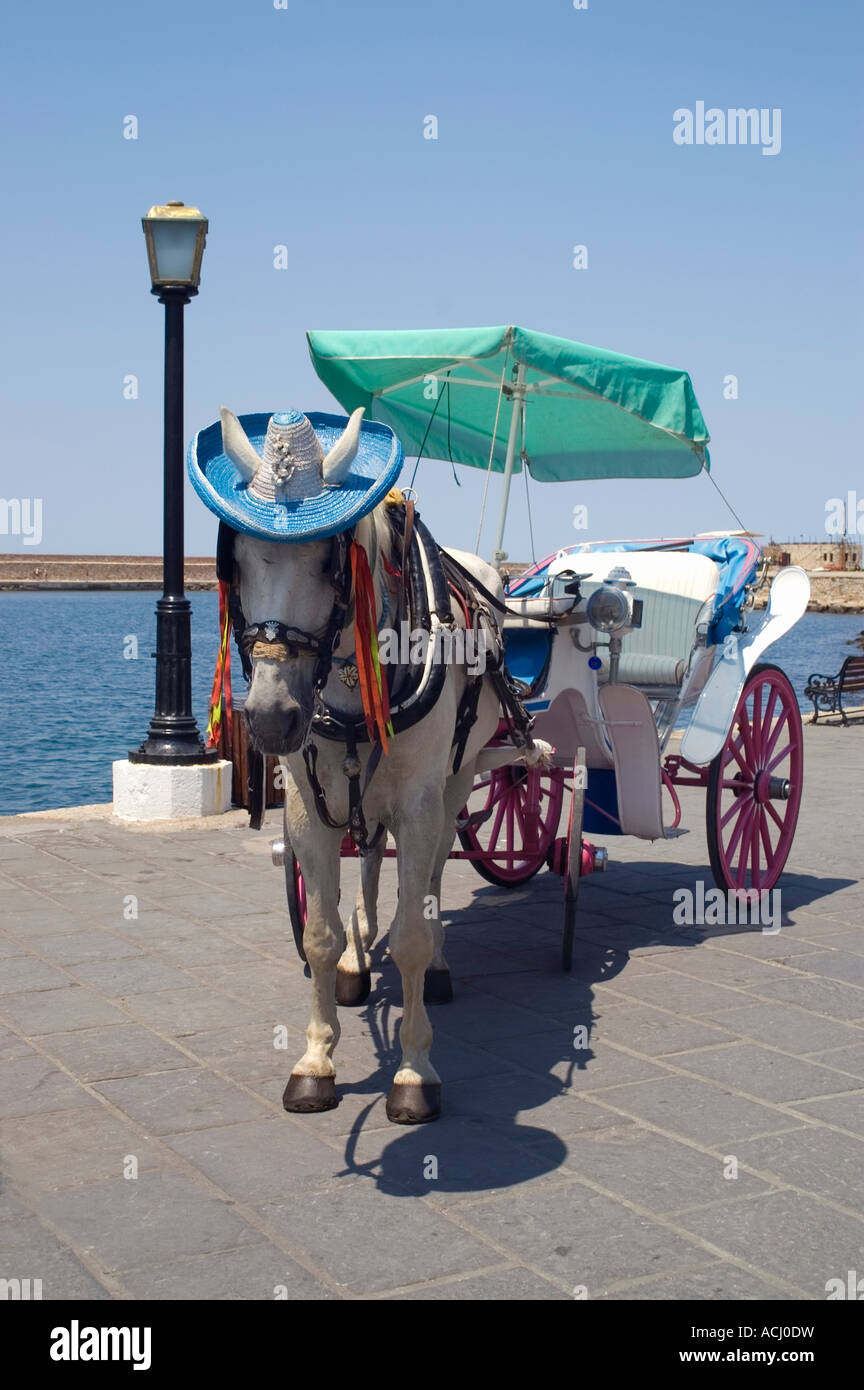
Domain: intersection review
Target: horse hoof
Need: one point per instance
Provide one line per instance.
(353, 990)
(437, 987)
(305, 1095)
(413, 1103)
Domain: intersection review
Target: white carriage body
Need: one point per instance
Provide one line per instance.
(667, 665)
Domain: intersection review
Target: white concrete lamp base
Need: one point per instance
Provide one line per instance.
(150, 791)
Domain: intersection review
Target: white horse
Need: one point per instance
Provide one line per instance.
(414, 793)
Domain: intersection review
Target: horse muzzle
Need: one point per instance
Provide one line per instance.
(278, 707)
(276, 733)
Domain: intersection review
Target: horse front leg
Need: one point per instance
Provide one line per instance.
(353, 977)
(312, 1085)
(415, 1096)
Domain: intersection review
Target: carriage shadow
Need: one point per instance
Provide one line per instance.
(507, 1044)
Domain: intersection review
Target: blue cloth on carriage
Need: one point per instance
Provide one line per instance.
(737, 558)
(527, 651)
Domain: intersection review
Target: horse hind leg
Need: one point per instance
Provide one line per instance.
(438, 985)
(415, 1096)
(353, 974)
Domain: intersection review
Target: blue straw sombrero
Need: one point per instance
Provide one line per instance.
(293, 477)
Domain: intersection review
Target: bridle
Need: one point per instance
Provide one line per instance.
(274, 640)
(277, 641)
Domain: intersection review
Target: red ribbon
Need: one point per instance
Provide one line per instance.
(373, 689)
(220, 697)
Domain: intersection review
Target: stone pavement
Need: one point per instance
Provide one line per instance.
(145, 1153)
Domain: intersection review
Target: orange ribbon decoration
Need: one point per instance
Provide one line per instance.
(220, 698)
(373, 688)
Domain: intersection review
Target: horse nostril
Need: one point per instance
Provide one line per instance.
(274, 731)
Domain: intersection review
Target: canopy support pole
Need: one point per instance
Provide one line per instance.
(515, 417)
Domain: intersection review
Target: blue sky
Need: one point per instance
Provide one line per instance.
(304, 127)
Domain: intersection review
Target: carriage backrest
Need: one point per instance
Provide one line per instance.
(676, 588)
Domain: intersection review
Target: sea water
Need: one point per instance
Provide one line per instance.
(77, 684)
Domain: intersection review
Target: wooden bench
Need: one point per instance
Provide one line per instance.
(827, 692)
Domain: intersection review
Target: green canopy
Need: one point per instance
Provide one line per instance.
(497, 396)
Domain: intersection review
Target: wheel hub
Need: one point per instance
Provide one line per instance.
(768, 788)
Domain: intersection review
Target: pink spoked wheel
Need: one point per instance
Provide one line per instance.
(754, 785)
(520, 815)
(295, 889)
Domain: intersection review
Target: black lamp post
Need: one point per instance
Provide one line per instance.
(175, 244)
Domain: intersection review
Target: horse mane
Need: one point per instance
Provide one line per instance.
(376, 532)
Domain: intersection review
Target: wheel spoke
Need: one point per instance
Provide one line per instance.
(741, 873)
(527, 825)
(769, 716)
(734, 750)
(738, 804)
(738, 831)
(496, 824)
(755, 873)
(766, 837)
(782, 723)
(746, 735)
(779, 758)
(774, 816)
(756, 724)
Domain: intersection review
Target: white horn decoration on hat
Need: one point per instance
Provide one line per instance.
(236, 445)
(338, 462)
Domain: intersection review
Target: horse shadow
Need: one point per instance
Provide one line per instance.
(519, 1031)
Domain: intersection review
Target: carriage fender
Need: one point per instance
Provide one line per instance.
(630, 728)
(715, 709)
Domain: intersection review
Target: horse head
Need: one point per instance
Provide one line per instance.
(291, 596)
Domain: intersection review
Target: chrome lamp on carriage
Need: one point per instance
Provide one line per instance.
(616, 644)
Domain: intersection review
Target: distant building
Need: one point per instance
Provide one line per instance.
(829, 553)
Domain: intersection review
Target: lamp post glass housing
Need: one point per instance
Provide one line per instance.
(175, 246)
(175, 237)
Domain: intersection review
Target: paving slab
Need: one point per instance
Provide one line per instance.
(32, 1252)
(605, 1165)
(793, 1237)
(580, 1237)
(175, 1101)
(253, 1272)
(366, 1243)
(125, 1223)
(120, 1049)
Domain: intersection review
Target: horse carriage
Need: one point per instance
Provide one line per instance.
(614, 645)
(599, 655)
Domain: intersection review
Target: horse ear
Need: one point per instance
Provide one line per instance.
(236, 445)
(338, 462)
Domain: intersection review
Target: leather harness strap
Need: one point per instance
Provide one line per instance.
(424, 583)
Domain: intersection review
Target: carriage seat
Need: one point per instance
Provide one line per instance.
(675, 587)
